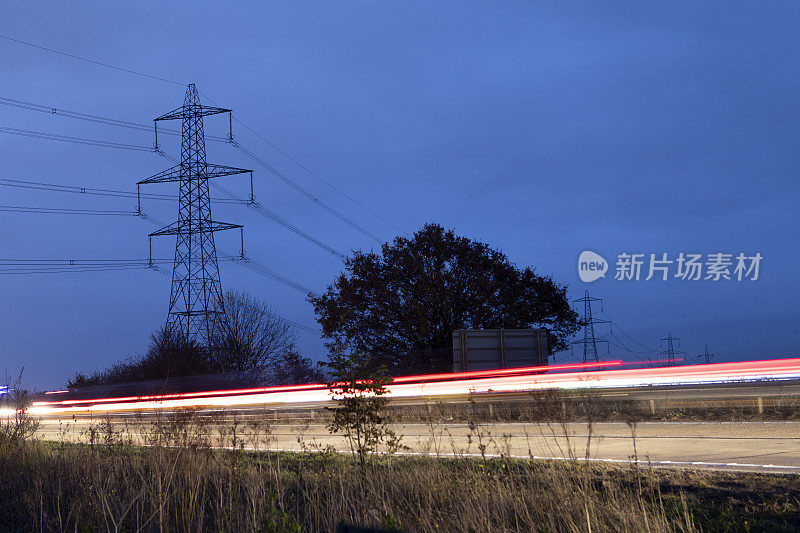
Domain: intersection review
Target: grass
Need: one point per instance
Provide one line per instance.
(115, 486)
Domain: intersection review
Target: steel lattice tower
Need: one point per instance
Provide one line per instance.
(589, 341)
(672, 349)
(707, 357)
(196, 296)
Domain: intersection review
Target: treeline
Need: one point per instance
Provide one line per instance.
(250, 342)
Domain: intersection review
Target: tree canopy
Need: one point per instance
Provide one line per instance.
(250, 339)
(401, 306)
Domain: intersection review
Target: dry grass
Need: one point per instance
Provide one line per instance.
(177, 483)
(118, 487)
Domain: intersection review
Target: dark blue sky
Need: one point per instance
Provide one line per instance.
(542, 130)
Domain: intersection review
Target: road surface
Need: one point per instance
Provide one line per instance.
(739, 446)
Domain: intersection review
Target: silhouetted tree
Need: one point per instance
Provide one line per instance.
(293, 368)
(401, 306)
(172, 355)
(81, 380)
(250, 339)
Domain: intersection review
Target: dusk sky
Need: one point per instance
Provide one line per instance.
(543, 130)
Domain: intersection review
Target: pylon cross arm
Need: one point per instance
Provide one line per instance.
(183, 228)
(194, 111)
(201, 312)
(178, 173)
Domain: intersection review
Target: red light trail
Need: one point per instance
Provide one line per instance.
(565, 377)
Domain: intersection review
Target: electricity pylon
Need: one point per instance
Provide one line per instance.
(195, 301)
(706, 357)
(589, 341)
(673, 348)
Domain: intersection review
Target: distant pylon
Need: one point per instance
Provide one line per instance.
(672, 349)
(706, 357)
(196, 295)
(589, 341)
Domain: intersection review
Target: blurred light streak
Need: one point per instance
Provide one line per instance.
(262, 390)
(502, 372)
(312, 386)
(480, 382)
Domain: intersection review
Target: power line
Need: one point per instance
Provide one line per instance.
(624, 332)
(253, 265)
(98, 119)
(605, 312)
(301, 326)
(71, 270)
(318, 177)
(297, 187)
(311, 172)
(70, 262)
(75, 140)
(99, 63)
(624, 343)
(271, 215)
(625, 348)
(645, 348)
(64, 270)
(60, 211)
(619, 343)
(264, 270)
(60, 266)
(114, 193)
(31, 106)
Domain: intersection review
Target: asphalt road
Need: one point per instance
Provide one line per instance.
(738, 446)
